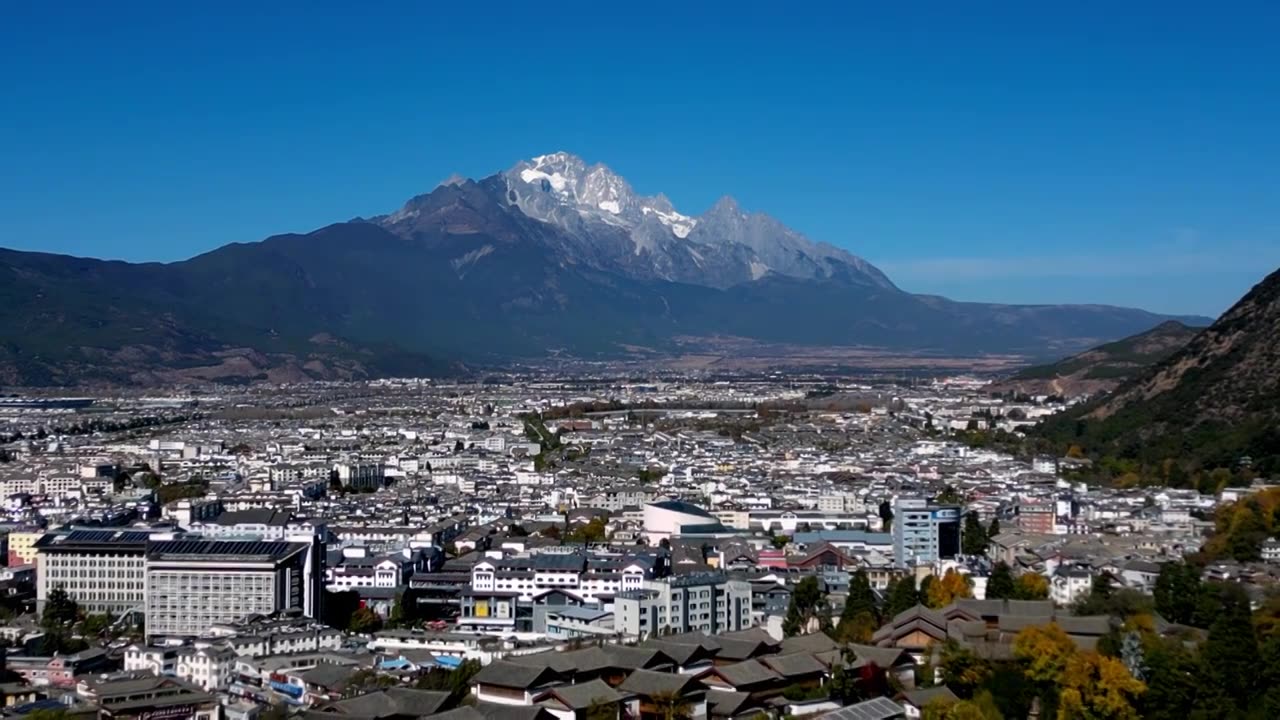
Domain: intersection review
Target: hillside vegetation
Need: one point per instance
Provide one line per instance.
(1214, 404)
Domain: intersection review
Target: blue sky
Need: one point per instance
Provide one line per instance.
(1125, 153)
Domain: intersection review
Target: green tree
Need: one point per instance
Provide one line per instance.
(1001, 584)
(901, 596)
(396, 617)
(1176, 591)
(807, 604)
(859, 610)
(60, 611)
(963, 671)
(845, 686)
(974, 538)
(1230, 654)
(1269, 678)
(993, 529)
(1097, 602)
(365, 621)
(1173, 679)
(456, 682)
(97, 623)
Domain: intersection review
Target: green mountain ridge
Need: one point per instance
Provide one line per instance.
(1102, 368)
(1213, 404)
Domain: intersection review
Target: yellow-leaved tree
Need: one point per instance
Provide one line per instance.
(1032, 586)
(1096, 686)
(943, 591)
(1088, 685)
(1045, 651)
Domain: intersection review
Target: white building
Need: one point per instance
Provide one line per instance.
(1069, 584)
(708, 602)
(102, 570)
(192, 584)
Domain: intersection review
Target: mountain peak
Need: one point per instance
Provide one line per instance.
(726, 205)
(723, 247)
(454, 180)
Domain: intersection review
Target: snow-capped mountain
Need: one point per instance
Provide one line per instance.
(647, 237)
(548, 183)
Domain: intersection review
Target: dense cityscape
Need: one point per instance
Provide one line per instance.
(542, 361)
(586, 547)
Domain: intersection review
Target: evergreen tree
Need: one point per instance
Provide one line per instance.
(845, 686)
(861, 601)
(1230, 657)
(1269, 678)
(902, 595)
(1172, 678)
(1001, 584)
(1098, 601)
(806, 604)
(974, 538)
(994, 529)
(60, 611)
(1176, 591)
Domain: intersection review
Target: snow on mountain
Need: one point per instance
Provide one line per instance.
(723, 247)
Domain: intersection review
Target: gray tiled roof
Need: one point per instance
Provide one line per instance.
(746, 674)
(648, 682)
(583, 695)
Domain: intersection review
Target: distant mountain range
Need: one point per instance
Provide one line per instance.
(1103, 368)
(1215, 403)
(552, 256)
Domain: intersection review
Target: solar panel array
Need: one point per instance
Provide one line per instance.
(274, 550)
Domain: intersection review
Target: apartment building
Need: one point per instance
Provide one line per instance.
(210, 667)
(102, 570)
(529, 575)
(263, 523)
(360, 476)
(1036, 517)
(707, 602)
(614, 500)
(192, 584)
(924, 532)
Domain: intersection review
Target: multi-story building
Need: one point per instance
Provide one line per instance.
(924, 532)
(283, 474)
(102, 570)
(22, 546)
(1036, 517)
(263, 523)
(615, 500)
(528, 575)
(707, 601)
(193, 583)
(208, 666)
(1069, 584)
(360, 476)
